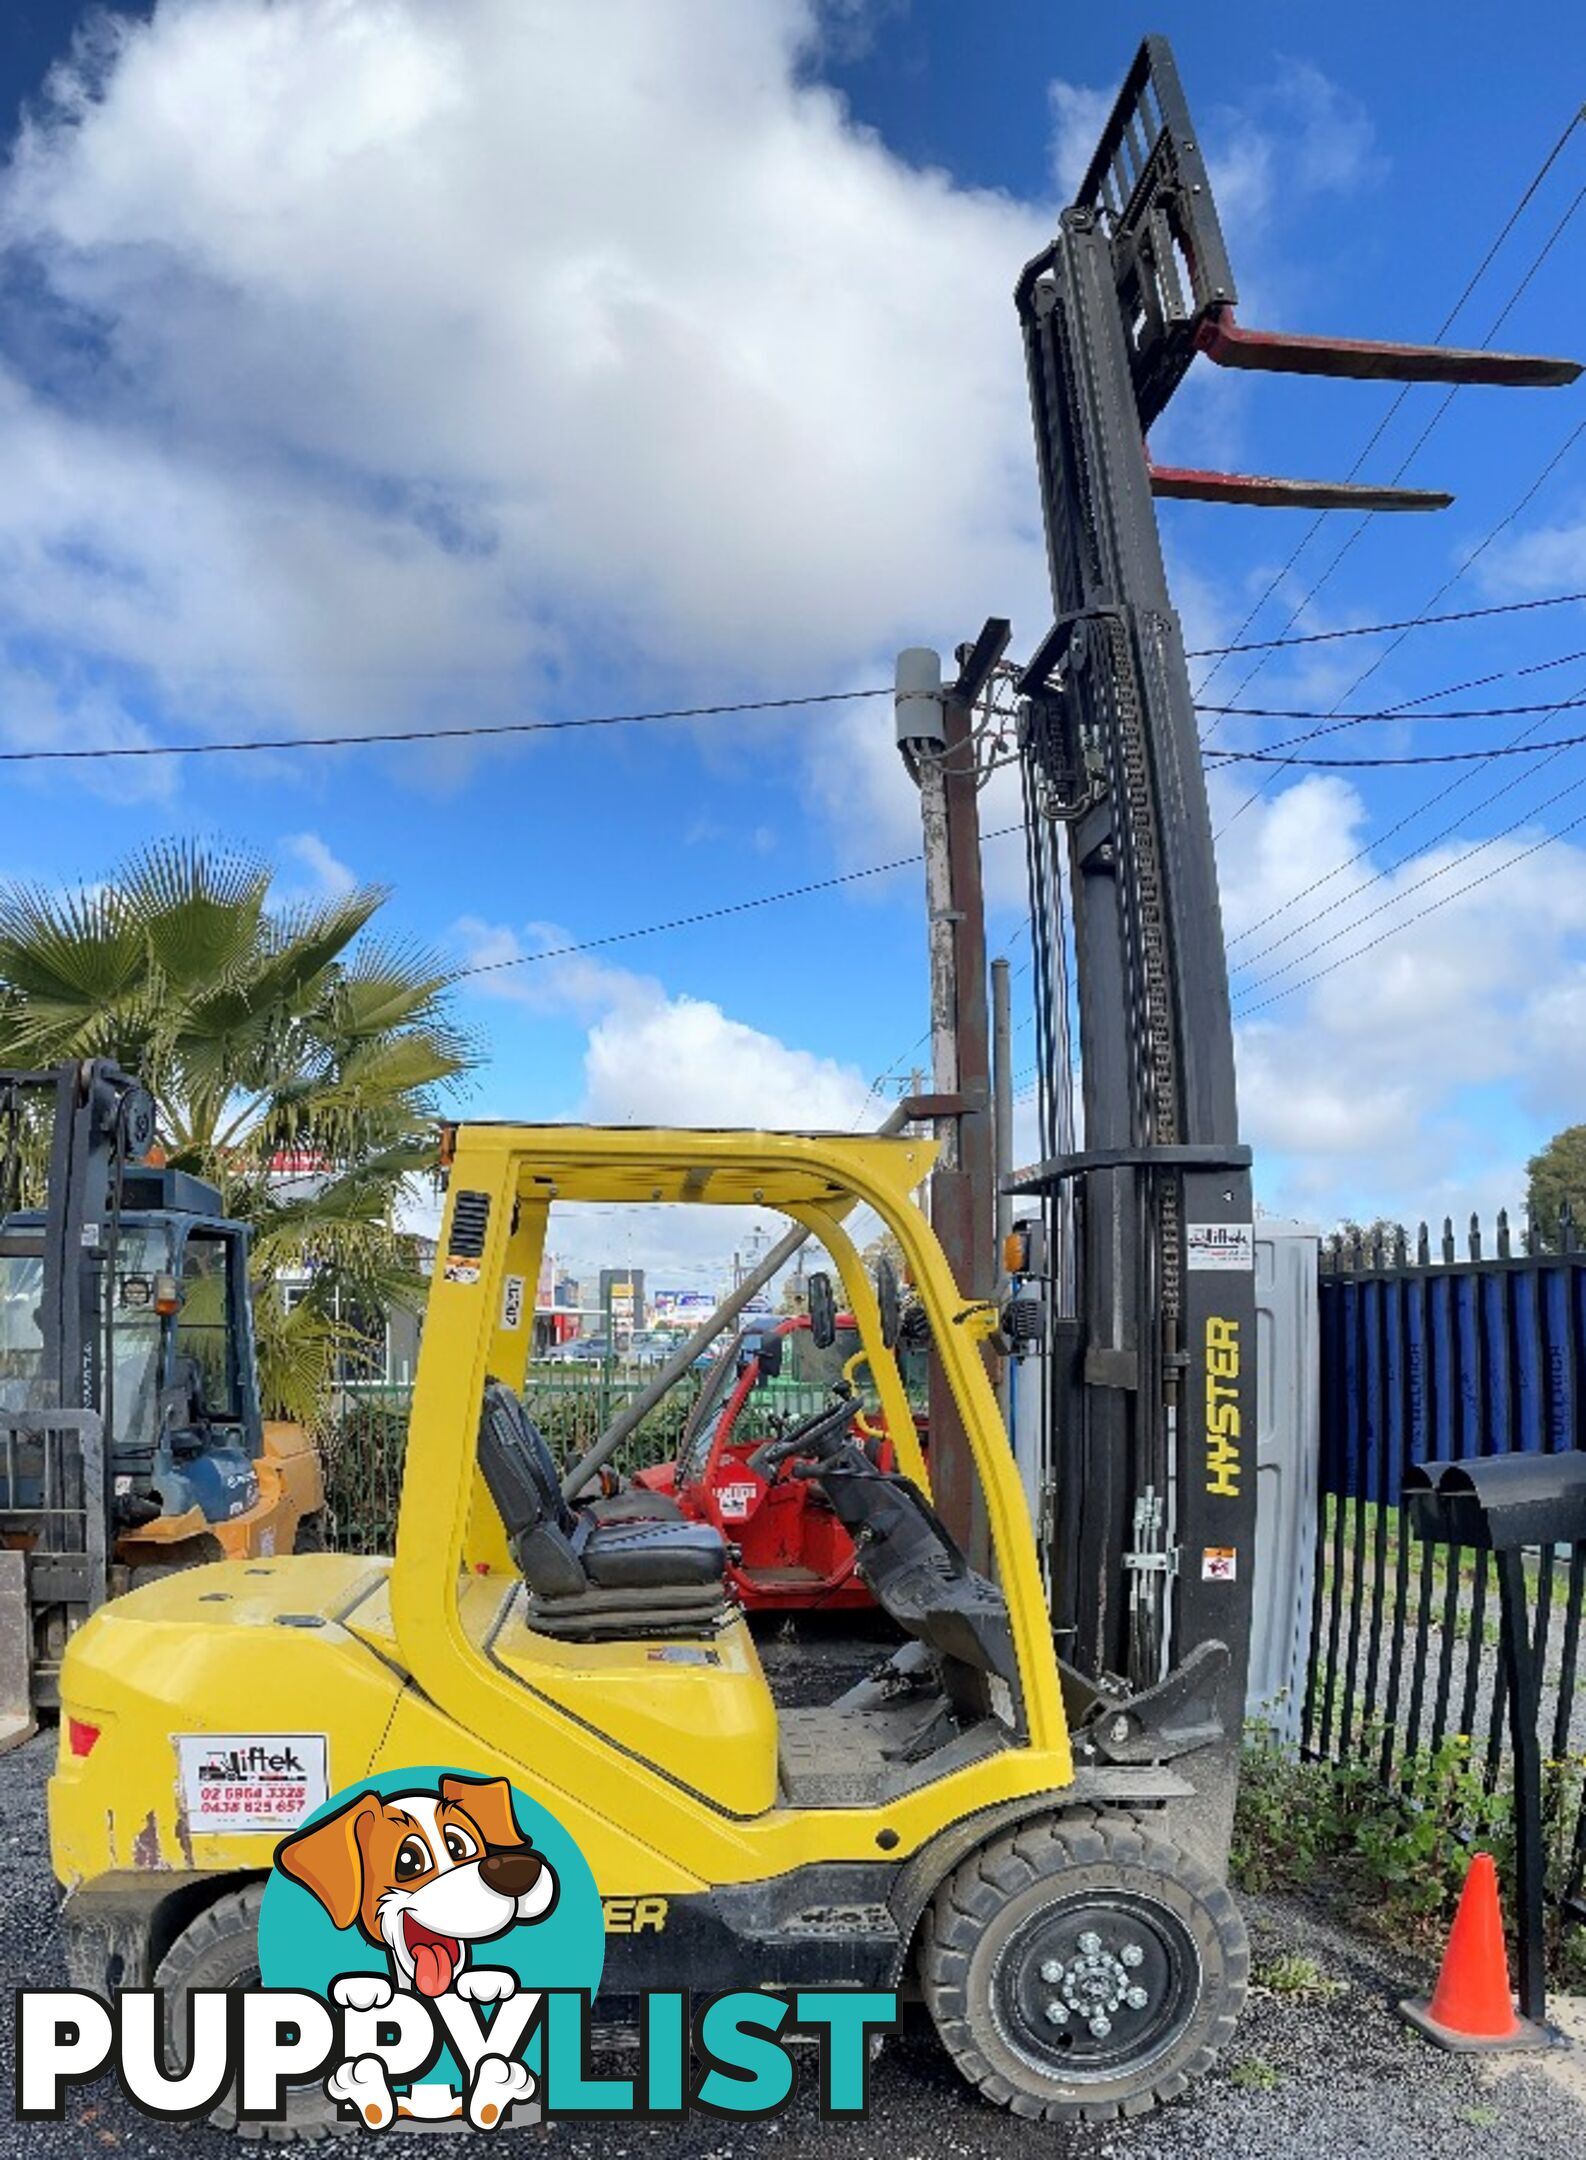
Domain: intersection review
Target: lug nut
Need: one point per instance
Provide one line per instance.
(1056, 2012)
(1100, 2026)
(1132, 1954)
(1137, 1998)
(1089, 1944)
(1051, 1972)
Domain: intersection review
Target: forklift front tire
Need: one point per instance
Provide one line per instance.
(1078, 1970)
(220, 1949)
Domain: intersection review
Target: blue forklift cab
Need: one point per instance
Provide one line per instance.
(169, 1275)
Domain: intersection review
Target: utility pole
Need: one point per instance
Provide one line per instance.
(1002, 1092)
(936, 736)
(1002, 1138)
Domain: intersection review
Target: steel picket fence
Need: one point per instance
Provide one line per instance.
(1428, 1353)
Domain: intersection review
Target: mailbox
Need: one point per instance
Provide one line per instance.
(1498, 1503)
(1501, 1504)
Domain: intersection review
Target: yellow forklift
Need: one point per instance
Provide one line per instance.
(1021, 1815)
(931, 1822)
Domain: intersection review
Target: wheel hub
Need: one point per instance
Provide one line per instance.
(1091, 1987)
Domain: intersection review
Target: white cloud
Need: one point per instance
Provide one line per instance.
(532, 967)
(70, 710)
(1419, 1073)
(683, 1061)
(660, 1059)
(1079, 113)
(654, 1058)
(484, 325)
(332, 879)
(1551, 559)
(377, 401)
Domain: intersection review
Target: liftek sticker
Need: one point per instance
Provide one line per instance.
(250, 1781)
(512, 1303)
(461, 1271)
(735, 1501)
(1228, 1247)
(1220, 1563)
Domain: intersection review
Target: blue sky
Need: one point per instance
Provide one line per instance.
(424, 364)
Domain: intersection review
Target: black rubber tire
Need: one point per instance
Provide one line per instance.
(313, 1533)
(220, 1949)
(1072, 1866)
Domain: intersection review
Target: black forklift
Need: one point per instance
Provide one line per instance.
(131, 1438)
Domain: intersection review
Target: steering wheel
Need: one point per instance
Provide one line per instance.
(813, 1435)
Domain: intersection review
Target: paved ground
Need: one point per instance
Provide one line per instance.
(1333, 2079)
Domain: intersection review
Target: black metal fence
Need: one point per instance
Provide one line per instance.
(1427, 1353)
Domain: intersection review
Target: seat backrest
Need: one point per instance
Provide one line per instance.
(520, 1471)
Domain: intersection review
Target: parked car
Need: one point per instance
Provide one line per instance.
(584, 1350)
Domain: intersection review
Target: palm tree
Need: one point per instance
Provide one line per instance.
(262, 1033)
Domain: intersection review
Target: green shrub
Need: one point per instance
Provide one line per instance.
(1393, 1854)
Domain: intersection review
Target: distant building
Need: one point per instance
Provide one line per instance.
(388, 1350)
(622, 1304)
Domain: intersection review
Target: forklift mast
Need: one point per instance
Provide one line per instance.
(1146, 1234)
(103, 1120)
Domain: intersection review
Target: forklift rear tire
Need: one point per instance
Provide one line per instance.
(312, 1533)
(1078, 1970)
(220, 1949)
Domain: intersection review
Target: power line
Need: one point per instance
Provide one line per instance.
(1386, 712)
(1362, 854)
(1394, 408)
(715, 914)
(1430, 877)
(1548, 840)
(1412, 622)
(1424, 757)
(895, 1069)
(1407, 712)
(439, 735)
(1447, 585)
(721, 709)
(1488, 800)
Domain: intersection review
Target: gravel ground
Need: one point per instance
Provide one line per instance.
(1335, 2076)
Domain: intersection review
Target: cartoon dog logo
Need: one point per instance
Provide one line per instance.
(426, 1876)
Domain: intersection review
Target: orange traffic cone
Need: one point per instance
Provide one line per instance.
(1471, 2008)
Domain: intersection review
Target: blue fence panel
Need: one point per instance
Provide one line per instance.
(1425, 1362)
(1425, 1359)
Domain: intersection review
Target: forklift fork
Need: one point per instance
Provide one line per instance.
(1147, 188)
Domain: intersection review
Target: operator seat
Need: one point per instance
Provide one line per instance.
(636, 1504)
(584, 1576)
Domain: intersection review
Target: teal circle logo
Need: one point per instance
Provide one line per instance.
(427, 1877)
